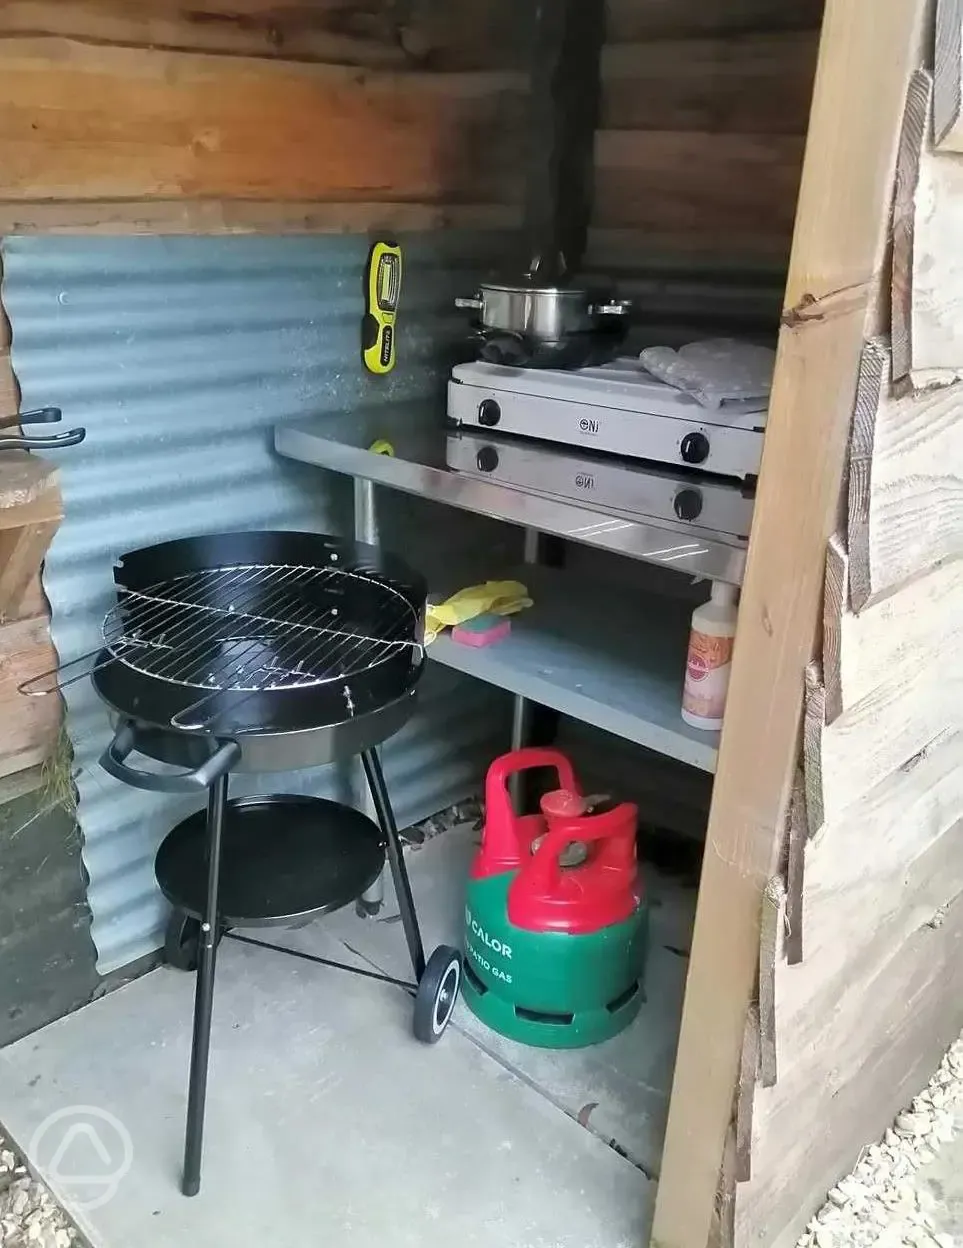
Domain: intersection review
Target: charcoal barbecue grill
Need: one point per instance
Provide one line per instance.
(263, 651)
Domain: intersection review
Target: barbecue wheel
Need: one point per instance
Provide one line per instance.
(437, 994)
(182, 941)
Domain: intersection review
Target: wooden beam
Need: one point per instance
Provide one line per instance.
(722, 1228)
(25, 478)
(298, 31)
(916, 113)
(82, 123)
(22, 551)
(882, 645)
(245, 216)
(748, 1072)
(21, 783)
(631, 20)
(45, 507)
(771, 930)
(740, 84)
(927, 261)
(798, 835)
(905, 480)
(28, 726)
(30, 503)
(948, 74)
(426, 32)
(698, 183)
(30, 512)
(9, 386)
(867, 53)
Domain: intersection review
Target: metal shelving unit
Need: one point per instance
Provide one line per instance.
(619, 666)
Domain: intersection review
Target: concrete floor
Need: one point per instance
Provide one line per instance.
(619, 1089)
(327, 1119)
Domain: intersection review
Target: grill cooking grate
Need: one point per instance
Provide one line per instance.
(254, 627)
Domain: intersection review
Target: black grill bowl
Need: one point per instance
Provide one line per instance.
(277, 729)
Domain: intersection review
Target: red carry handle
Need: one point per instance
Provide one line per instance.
(542, 873)
(503, 768)
(501, 848)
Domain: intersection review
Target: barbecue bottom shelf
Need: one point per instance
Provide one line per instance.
(283, 858)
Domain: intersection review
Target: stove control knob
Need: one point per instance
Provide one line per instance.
(489, 413)
(487, 459)
(688, 504)
(694, 448)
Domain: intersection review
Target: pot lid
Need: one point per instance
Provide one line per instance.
(530, 287)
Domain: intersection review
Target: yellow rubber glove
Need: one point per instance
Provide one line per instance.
(500, 597)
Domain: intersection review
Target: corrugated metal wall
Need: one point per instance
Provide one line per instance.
(179, 355)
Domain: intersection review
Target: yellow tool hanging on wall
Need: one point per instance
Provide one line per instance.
(382, 288)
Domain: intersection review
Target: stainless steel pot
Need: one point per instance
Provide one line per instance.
(541, 313)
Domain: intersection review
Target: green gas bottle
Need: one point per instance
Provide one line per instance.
(556, 926)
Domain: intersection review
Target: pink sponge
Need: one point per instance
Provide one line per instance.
(483, 630)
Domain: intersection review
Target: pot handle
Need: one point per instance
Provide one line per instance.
(474, 304)
(617, 307)
(113, 761)
(504, 347)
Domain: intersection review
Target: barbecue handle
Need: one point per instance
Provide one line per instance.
(113, 761)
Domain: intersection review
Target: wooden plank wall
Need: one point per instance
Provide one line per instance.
(927, 261)
(432, 34)
(310, 116)
(867, 55)
(867, 974)
(30, 510)
(235, 116)
(705, 107)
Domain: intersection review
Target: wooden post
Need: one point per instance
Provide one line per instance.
(867, 53)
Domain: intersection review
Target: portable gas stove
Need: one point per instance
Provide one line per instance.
(616, 408)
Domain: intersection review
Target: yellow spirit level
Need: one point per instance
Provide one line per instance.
(382, 287)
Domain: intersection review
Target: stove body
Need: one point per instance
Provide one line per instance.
(618, 487)
(616, 408)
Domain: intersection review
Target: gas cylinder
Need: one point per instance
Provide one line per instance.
(556, 924)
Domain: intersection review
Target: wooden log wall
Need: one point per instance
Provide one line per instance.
(372, 33)
(705, 108)
(864, 972)
(160, 116)
(237, 116)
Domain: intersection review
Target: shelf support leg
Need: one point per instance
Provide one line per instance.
(522, 708)
(366, 530)
(204, 993)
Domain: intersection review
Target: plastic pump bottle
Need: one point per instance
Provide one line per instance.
(709, 660)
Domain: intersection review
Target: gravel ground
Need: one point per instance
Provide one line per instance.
(901, 1192)
(28, 1213)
